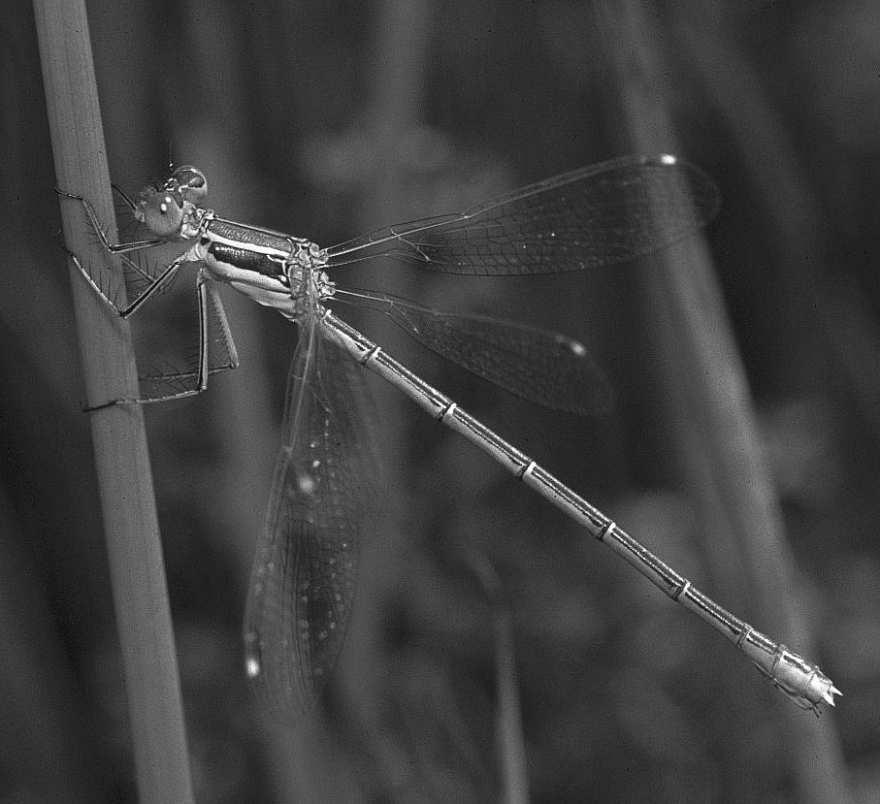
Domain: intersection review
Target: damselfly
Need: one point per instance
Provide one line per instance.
(305, 569)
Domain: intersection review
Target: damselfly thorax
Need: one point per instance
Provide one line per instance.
(271, 268)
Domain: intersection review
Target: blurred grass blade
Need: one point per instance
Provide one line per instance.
(510, 743)
(122, 463)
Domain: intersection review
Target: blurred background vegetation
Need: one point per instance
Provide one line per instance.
(325, 119)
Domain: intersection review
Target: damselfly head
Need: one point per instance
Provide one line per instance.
(164, 209)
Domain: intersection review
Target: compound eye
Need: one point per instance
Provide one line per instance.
(191, 182)
(161, 212)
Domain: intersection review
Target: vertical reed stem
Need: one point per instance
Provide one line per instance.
(122, 463)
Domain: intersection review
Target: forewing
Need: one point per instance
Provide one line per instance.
(305, 568)
(600, 215)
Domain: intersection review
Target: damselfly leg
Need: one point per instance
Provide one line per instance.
(164, 377)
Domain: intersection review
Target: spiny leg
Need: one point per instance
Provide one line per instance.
(122, 250)
(155, 284)
(226, 341)
(210, 311)
(95, 221)
(203, 290)
(215, 353)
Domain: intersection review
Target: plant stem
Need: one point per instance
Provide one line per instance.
(122, 462)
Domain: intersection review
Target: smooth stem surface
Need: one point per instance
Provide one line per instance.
(122, 463)
(510, 743)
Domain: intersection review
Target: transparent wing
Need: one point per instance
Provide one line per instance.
(603, 214)
(536, 364)
(305, 568)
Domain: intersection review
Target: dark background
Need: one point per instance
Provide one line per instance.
(327, 118)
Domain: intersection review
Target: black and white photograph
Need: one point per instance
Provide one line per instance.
(457, 401)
